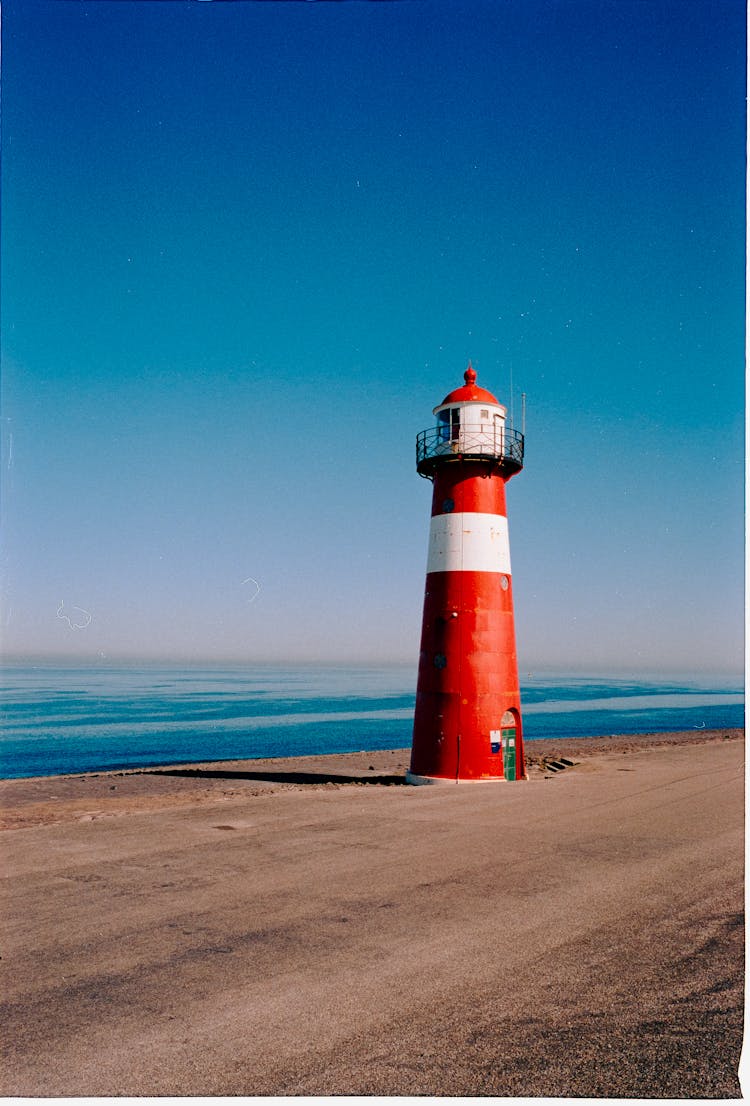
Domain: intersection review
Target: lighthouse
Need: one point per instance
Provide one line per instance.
(467, 719)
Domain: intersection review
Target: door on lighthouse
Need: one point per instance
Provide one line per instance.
(455, 426)
(508, 737)
(499, 429)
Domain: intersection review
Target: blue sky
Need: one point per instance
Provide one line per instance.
(247, 247)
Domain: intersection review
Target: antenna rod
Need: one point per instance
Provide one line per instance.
(511, 393)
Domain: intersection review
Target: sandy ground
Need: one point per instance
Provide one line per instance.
(313, 927)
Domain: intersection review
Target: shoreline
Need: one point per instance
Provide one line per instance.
(38, 800)
(534, 747)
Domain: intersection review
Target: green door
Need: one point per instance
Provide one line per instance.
(509, 752)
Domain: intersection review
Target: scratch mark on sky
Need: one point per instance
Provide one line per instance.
(256, 593)
(71, 624)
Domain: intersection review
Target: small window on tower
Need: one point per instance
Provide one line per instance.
(443, 425)
(484, 414)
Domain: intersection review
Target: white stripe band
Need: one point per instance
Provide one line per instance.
(469, 542)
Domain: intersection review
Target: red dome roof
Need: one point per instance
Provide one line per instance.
(469, 393)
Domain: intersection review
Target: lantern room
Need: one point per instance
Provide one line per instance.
(471, 425)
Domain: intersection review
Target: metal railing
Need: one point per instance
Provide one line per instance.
(504, 448)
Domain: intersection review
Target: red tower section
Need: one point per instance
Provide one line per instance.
(467, 721)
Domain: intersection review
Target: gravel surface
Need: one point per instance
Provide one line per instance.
(312, 927)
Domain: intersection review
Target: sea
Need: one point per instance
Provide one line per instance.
(65, 720)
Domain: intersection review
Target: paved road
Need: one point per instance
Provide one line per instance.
(578, 936)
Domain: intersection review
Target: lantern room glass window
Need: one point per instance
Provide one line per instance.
(449, 424)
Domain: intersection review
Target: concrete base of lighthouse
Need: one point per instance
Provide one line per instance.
(420, 781)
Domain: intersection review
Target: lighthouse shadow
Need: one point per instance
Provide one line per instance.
(282, 776)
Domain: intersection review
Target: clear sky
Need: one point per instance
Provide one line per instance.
(247, 247)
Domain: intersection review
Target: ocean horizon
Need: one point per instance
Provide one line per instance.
(60, 719)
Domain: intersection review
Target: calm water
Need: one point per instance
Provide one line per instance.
(61, 720)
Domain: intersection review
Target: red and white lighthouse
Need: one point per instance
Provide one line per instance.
(467, 721)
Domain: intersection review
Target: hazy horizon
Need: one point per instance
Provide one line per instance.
(532, 672)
